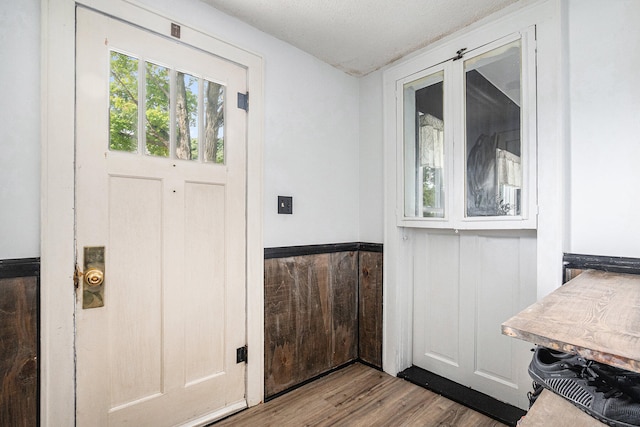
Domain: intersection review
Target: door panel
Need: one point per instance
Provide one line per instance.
(204, 252)
(162, 350)
(505, 284)
(496, 290)
(436, 308)
(465, 285)
(134, 256)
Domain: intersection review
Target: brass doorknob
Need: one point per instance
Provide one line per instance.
(94, 277)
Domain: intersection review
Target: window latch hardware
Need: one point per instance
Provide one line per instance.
(459, 54)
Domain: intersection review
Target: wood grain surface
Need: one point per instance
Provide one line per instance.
(359, 396)
(596, 315)
(18, 351)
(310, 317)
(552, 410)
(370, 308)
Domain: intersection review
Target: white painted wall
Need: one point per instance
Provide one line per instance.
(605, 127)
(332, 166)
(20, 124)
(311, 132)
(371, 163)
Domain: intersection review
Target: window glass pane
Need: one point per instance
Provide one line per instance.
(186, 116)
(424, 147)
(493, 146)
(213, 122)
(157, 110)
(123, 103)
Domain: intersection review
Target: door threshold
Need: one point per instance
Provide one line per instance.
(464, 395)
(212, 417)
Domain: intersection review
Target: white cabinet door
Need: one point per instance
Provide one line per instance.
(172, 219)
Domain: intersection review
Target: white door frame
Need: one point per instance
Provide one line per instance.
(57, 327)
(549, 16)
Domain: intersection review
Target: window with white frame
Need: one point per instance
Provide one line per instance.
(467, 140)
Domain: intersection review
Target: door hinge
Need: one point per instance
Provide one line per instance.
(241, 354)
(243, 101)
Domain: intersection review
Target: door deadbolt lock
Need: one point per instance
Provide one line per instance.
(93, 277)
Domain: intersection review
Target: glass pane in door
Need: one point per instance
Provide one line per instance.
(213, 122)
(123, 103)
(424, 147)
(157, 102)
(493, 145)
(186, 116)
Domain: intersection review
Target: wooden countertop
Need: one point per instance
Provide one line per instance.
(549, 407)
(596, 315)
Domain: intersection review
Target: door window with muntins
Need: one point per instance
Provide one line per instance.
(193, 104)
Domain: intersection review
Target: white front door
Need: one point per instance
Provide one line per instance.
(161, 185)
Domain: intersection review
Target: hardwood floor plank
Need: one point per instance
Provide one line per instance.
(359, 396)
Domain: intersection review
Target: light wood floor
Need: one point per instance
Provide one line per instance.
(359, 396)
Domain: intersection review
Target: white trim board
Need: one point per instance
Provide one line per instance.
(57, 198)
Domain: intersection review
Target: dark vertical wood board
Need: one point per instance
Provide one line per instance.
(312, 317)
(344, 287)
(18, 351)
(370, 308)
(313, 325)
(298, 323)
(280, 308)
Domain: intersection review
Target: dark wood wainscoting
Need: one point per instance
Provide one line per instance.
(19, 308)
(370, 308)
(320, 311)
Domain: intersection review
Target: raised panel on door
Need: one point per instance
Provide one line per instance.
(495, 292)
(162, 349)
(435, 306)
(205, 262)
(504, 284)
(135, 274)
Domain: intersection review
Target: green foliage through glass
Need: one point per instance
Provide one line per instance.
(124, 90)
(214, 122)
(186, 116)
(123, 103)
(157, 104)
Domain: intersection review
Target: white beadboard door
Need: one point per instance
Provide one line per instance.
(465, 285)
(162, 349)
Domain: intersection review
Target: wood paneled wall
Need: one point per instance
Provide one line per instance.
(315, 313)
(18, 347)
(370, 308)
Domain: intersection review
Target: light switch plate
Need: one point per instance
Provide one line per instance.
(285, 205)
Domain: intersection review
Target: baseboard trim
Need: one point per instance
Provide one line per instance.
(480, 402)
(289, 251)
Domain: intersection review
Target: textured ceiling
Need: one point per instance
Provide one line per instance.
(359, 36)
